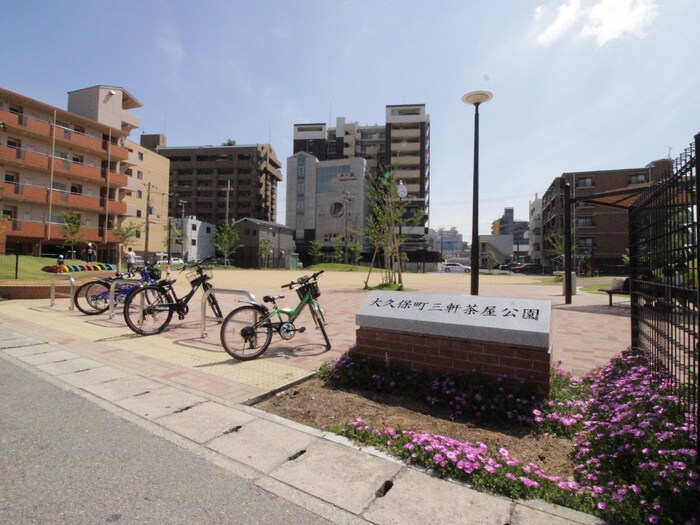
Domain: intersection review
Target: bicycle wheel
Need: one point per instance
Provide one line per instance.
(92, 297)
(317, 314)
(148, 310)
(244, 335)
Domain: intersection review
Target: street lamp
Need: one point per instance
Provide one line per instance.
(476, 98)
(347, 198)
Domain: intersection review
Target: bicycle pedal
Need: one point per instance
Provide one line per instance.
(301, 330)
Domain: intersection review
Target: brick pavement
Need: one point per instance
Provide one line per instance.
(584, 334)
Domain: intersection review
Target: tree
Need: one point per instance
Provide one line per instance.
(338, 251)
(73, 230)
(265, 252)
(226, 241)
(315, 251)
(490, 260)
(387, 213)
(127, 233)
(175, 235)
(355, 251)
(229, 142)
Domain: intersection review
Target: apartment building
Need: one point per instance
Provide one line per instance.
(535, 230)
(600, 233)
(401, 144)
(55, 161)
(220, 184)
(147, 202)
(508, 225)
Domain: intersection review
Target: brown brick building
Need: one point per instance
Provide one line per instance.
(216, 182)
(600, 233)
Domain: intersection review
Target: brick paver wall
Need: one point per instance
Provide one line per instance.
(431, 353)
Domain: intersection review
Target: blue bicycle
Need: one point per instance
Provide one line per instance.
(92, 297)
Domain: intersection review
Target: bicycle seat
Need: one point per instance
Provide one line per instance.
(272, 298)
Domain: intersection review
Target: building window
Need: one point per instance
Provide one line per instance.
(638, 179)
(194, 242)
(138, 213)
(584, 182)
(139, 175)
(586, 242)
(140, 155)
(194, 227)
(76, 188)
(584, 221)
(208, 229)
(139, 194)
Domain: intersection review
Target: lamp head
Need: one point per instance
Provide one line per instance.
(477, 97)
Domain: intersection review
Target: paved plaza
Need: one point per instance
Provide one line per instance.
(182, 387)
(584, 334)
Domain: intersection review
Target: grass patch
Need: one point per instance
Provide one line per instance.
(29, 267)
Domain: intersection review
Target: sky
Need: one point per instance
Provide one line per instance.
(578, 85)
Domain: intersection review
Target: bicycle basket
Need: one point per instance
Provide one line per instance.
(207, 271)
(156, 274)
(311, 287)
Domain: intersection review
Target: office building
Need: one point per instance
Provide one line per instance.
(55, 162)
(401, 145)
(220, 184)
(326, 201)
(507, 225)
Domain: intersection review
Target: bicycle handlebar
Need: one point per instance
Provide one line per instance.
(303, 280)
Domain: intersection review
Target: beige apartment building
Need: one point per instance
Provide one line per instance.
(147, 204)
(55, 161)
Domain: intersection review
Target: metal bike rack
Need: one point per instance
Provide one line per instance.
(203, 333)
(72, 290)
(113, 288)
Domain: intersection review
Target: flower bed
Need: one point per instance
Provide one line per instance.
(635, 449)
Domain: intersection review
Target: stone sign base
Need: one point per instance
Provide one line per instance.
(528, 367)
(493, 336)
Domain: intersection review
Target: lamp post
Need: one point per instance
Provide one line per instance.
(476, 98)
(347, 198)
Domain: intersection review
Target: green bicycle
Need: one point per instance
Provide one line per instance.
(247, 331)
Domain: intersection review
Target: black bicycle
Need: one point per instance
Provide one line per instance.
(92, 297)
(149, 309)
(247, 331)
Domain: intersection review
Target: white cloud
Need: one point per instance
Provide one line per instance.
(612, 19)
(604, 20)
(566, 17)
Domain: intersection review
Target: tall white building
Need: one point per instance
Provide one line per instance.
(401, 145)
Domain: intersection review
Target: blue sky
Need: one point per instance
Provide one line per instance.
(578, 84)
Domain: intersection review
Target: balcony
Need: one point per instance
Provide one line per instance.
(24, 159)
(23, 125)
(12, 192)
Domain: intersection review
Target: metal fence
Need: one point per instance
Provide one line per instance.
(9, 262)
(664, 276)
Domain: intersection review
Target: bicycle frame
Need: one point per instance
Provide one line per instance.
(180, 303)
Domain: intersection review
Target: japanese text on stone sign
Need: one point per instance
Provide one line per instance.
(469, 309)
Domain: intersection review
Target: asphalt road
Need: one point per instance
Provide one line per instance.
(66, 460)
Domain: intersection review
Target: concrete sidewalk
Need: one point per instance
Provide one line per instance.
(186, 388)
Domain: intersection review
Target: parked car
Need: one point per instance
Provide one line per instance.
(526, 268)
(455, 267)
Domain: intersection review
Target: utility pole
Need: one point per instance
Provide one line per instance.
(148, 220)
(228, 190)
(184, 237)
